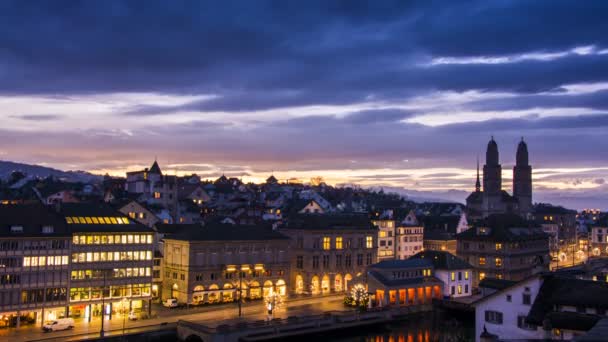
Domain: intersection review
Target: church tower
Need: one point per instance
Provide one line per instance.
(492, 171)
(492, 181)
(522, 179)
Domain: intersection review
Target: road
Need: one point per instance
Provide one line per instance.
(211, 315)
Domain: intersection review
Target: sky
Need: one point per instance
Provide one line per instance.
(395, 94)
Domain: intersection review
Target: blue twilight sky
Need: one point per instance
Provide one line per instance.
(403, 94)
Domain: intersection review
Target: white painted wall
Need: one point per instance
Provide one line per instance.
(510, 311)
(446, 277)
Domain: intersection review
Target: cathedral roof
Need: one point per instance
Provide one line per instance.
(475, 196)
(522, 153)
(155, 168)
(492, 153)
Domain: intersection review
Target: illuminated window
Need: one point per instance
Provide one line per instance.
(339, 242)
(481, 275)
(27, 262)
(453, 276)
(382, 234)
(126, 220)
(150, 238)
(113, 220)
(101, 221)
(326, 242)
(95, 220)
(88, 220)
(132, 215)
(466, 275)
(369, 242)
(498, 262)
(69, 220)
(459, 289)
(157, 195)
(482, 260)
(82, 220)
(498, 246)
(119, 219)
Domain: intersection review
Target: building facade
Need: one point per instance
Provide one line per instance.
(330, 253)
(456, 274)
(599, 238)
(402, 283)
(110, 263)
(209, 264)
(34, 259)
(504, 247)
(410, 237)
(386, 238)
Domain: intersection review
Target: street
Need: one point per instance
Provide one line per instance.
(211, 315)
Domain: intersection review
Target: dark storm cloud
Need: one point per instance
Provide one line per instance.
(274, 54)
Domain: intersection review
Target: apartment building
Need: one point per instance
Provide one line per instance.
(221, 262)
(34, 265)
(110, 262)
(330, 252)
(410, 237)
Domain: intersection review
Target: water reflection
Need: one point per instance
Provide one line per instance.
(430, 327)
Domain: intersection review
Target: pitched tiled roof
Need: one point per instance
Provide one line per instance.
(504, 227)
(557, 291)
(443, 260)
(497, 284)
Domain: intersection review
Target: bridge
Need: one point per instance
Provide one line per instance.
(249, 331)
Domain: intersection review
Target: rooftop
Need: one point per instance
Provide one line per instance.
(407, 263)
(30, 218)
(331, 221)
(98, 217)
(221, 232)
(443, 260)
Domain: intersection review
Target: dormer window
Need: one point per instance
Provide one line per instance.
(16, 229)
(47, 229)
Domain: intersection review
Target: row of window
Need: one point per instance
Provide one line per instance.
(338, 258)
(497, 261)
(7, 279)
(39, 261)
(453, 275)
(42, 295)
(121, 291)
(116, 273)
(10, 262)
(369, 242)
(111, 256)
(496, 317)
(110, 239)
(412, 274)
(28, 245)
(96, 220)
(459, 288)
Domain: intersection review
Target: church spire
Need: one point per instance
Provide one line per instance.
(477, 183)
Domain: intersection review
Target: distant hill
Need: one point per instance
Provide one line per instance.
(33, 171)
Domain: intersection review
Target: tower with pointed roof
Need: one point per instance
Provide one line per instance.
(492, 199)
(522, 179)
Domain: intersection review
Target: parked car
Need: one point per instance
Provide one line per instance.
(133, 316)
(170, 303)
(59, 324)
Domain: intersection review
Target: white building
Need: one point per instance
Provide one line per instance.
(541, 307)
(456, 274)
(410, 236)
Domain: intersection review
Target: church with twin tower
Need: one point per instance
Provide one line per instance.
(492, 199)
